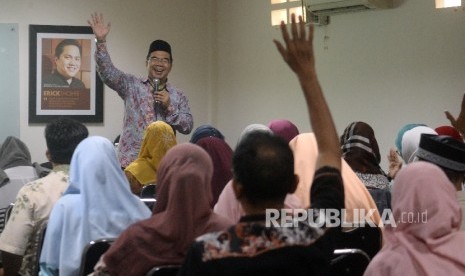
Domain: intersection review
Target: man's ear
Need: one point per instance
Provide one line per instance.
(294, 184)
(47, 154)
(237, 188)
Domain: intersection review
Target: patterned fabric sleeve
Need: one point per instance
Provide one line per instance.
(178, 114)
(110, 75)
(19, 226)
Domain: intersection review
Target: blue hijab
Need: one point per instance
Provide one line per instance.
(97, 204)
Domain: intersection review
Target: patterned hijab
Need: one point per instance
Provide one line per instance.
(158, 139)
(97, 204)
(284, 128)
(221, 154)
(181, 214)
(426, 239)
(360, 148)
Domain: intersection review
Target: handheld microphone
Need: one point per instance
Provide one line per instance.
(156, 84)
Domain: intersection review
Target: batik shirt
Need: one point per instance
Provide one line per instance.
(139, 105)
(252, 247)
(33, 205)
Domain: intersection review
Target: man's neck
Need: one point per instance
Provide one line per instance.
(251, 209)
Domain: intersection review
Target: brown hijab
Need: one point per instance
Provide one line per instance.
(221, 155)
(181, 214)
(360, 148)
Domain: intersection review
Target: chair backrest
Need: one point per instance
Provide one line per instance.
(39, 240)
(148, 195)
(166, 270)
(349, 261)
(91, 254)
(5, 214)
(148, 191)
(367, 238)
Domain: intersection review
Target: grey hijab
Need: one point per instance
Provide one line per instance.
(13, 153)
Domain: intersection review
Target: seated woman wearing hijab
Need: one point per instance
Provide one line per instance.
(205, 131)
(181, 214)
(228, 205)
(16, 169)
(425, 239)
(284, 129)
(158, 139)
(361, 151)
(97, 204)
(221, 154)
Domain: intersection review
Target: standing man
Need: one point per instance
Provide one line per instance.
(67, 65)
(145, 99)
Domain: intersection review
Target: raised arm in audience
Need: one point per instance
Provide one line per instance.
(298, 54)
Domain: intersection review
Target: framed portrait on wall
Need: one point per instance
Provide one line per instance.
(63, 80)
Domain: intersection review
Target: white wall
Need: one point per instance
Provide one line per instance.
(386, 67)
(185, 24)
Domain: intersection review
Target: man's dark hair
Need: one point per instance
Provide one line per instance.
(66, 42)
(263, 163)
(62, 137)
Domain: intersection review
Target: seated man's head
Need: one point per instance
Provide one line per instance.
(62, 137)
(446, 152)
(263, 171)
(68, 58)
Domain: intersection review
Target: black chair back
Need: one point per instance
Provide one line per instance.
(351, 262)
(367, 238)
(167, 270)
(92, 253)
(149, 191)
(5, 214)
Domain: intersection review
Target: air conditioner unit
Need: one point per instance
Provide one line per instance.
(328, 7)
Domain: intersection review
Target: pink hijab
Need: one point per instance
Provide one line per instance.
(431, 244)
(181, 214)
(357, 196)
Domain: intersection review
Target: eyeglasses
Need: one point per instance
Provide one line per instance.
(164, 61)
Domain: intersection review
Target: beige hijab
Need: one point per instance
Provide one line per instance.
(357, 196)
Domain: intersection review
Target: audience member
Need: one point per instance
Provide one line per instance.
(408, 139)
(449, 131)
(181, 214)
(97, 204)
(426, 239)
(360, 150)
(145, 100)
(36, 199)
(221, 154)
(357, 197)
(18, 242)
(158, 139)
(449, 154)
(228, 205)
(284, 129)
(263, 174)
(16, 169)
(205, 131)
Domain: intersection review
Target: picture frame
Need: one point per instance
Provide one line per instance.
(63, 79)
